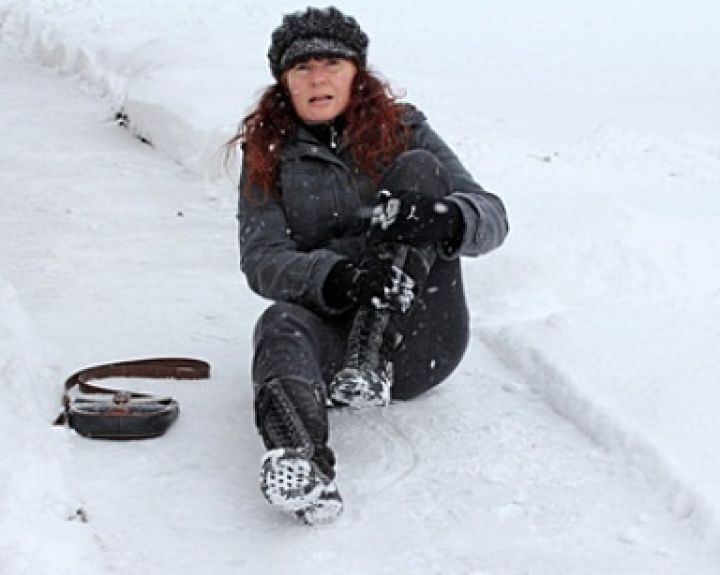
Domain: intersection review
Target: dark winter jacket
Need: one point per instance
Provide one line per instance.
(289, 243)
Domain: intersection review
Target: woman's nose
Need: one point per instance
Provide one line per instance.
(318, 75)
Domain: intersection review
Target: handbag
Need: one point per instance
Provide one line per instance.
(121, 414)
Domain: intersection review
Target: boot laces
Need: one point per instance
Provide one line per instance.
(366, 339)
(277, 416)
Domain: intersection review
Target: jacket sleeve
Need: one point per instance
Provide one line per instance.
(269, 258)
(484, 214)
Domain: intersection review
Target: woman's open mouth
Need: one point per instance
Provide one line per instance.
(320, 99)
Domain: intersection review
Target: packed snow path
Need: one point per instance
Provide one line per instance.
(114, 252)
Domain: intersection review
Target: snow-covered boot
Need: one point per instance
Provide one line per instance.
(297, 473)
(295, 483)
(366, 378)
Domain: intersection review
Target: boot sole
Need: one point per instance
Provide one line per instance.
(294, 484)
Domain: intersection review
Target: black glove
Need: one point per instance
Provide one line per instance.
(416, 219)
(374, 282)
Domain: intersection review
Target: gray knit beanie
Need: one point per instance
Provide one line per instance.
(316, 33)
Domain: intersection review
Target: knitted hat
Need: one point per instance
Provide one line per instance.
(316, 33)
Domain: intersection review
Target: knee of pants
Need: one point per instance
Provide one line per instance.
(418, 171)
(285, 342)
(290, 340)
(282, 315)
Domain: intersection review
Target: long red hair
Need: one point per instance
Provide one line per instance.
(374, 130)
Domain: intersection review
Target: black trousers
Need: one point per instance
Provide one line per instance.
(293, 343)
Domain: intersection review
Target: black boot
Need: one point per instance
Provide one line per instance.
(297, 473)
(366, 378)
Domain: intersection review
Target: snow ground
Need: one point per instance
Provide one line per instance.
(579, 435)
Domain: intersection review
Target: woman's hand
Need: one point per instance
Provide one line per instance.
(415, 219)
(373, 282)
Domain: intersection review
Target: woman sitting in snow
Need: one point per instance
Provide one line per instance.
(352, 216)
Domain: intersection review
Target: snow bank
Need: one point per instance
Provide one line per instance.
(146, 81)
(604, 300)
(34, 496)
(636, 377)
(26, 28)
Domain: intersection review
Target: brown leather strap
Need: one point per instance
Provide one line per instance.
(154, 368)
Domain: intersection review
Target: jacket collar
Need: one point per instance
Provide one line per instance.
(305, 144)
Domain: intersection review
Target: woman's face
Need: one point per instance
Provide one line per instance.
(320, 87)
